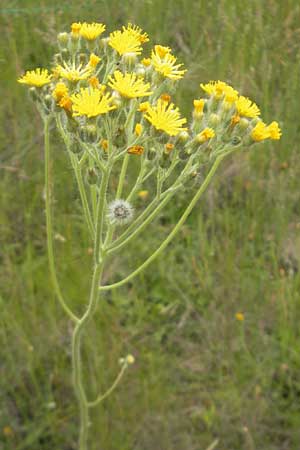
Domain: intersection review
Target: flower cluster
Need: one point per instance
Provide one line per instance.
(110, 100)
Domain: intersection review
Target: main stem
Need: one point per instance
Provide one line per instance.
(76, 356)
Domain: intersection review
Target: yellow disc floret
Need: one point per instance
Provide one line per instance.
(91, 102)
(38, 77)
(165, 117)
(91, 31)
(129, 85)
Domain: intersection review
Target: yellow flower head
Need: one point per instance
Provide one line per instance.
(137, 32)
(274, 130)
(220, 89)
(166, 65)
(66, 103)
(161, 51)
(129, 85)
(75, 27)
(245, 107)
(143, 194)
(235, 119)
(260, 132)
(165, 117)
(73, 73)
(91, 102)
(146, 62)
(138, 129)
(60, 91)
(125, 42)
(199, 105)
(94, 60)
(165, 97)
(169, 147)
(144, 106)
(37, 77)
(104, 144)
(136, 150)
(91, 31)
(94, 82)
(240, 316)
(205, 135)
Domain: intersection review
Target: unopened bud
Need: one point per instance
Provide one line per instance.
(116, 99)
(63, 39)
(140, 71)
(82, 58)
(104, 42)
(129, 59)
(213, 120)
(151, 154)
(130, 359)
(64, 53)
(92, 175)
(33, 93)
(236, 140)
(243, 124)
(57, 58)
(88, 133)
(183, 136)
(48, 101)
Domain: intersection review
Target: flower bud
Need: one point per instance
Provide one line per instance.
(183, 136)
(119, 139)
(92, 176)
(130, 359)
(140, 71)
(243, 124)
(104, 43)
(151, 154)
(48, 100)
(88, 133)
(63, 39)
(165, 161)
(75, 146)
(64, 53)
(236, 140)
(82, 58)
(57, 58)
(213, 120)
(33, 94)
(129, 60)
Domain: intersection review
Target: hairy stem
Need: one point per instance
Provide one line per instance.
(83, 196)
(76, 357)
(48, 184)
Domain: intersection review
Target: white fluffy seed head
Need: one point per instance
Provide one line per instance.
(119, 212)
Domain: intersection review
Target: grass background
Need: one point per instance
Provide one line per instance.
(200, 374)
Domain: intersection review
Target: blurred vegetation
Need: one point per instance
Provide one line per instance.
(200, 373)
